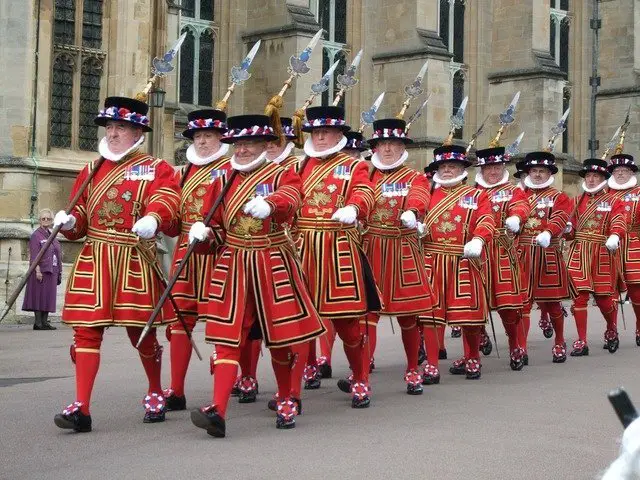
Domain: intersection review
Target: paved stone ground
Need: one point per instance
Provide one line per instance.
(546, 422)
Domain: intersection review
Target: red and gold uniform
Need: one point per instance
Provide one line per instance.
(255, 277)
(190, 288)
(593, 268)
(510, 209)
(391, 245)
(544, 272)
(629, 195)
(332, 259)
(457, 215)
(116, 279)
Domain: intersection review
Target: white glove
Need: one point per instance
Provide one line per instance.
(568, 228)
(409, 219)
(512, 224)
(347, 215)
(67, 221)
(422, 229)
(198, 232)
(544, 239)
(612, 243)
(473, 248)
(258, 208)
(145, 227)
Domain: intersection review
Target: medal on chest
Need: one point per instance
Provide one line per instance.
(396, 189)
(468, 202)
(140, 172)
(342, 172)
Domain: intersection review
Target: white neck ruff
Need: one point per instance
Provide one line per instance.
(308, 148)
(249, 167)
(595, 189)
(531, 185)
(632, 182)
(103, 149)
(480, 180)
(193, 157)
(449, 183)
(375, 161)
(285, 153)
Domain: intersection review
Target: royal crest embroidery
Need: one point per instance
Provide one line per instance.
(108, 214)
(381, 215)
(247, 226)
(446, 227)
(200, 192)
(140, 172)
(533, 223)
(318, 199)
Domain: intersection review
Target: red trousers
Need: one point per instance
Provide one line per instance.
(554, 310)
(180, 352)
(511, 320)
(85, 353)
(433, 339)
(607, 306)
(408, 330)
(634, 296)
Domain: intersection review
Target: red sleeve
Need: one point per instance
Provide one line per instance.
(80, 210)
(618, 225)
(519, 206)
(418, 198)
(164, 197)
(485, 226)
(175, 226)
(574, 217)
(560, 213)
(287, 199)
(360, 192)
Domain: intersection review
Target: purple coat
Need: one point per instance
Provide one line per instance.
(41, 296)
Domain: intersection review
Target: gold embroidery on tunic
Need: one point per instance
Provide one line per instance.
(446, 227)
(319, 199)
(108, 211)
(533, 222)
(247, 226)
(381, 215)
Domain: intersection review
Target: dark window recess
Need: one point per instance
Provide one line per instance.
(92, 24)
(189, 8)
(444, 22)
(61, 101)
(325, 67)
(340, 31)
(64, 22)
(89, 103)
(458, 96)
(205, 73)
(324, 15)
(564, 47)
(552, 40)
(187, 59)
(206, 10)
(458, 32)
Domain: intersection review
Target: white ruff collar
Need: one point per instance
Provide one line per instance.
(308, 148)
(193, 157)
(531, 185)
(632, 182)
(375, 161)
(249, 167)
(480, 180)
(595, 189)
(449, 183)
(103, 149)
(285, 153)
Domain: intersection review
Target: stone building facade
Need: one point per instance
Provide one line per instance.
(60, 58)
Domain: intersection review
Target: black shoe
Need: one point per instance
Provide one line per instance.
(284, 423)
(78, 421)
(176, 403)
(360, 402)
(414, 389)
(344, 385)
(47, 326)
(613, 342)
(313, 384)
(325, 370)
(431, 375)
(372, 365)
(457, 368)
(273, 404)
(547, 332)
(456, 333)
(154, 417)
(209, 419)
(287, 413)
(580, 349)
(516, 361)
(486, 347)
(37, 327)
(525, 359)
(299, 403)
(559, 354)
(422, 354)
(472, 369)
(638, 339)
(248, 397)
(442, 354)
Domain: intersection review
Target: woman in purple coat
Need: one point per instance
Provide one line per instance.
(40, 296)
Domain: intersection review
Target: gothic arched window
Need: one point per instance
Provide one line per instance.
(332, 17)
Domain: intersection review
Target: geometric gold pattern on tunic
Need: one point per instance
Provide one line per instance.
(112, 193)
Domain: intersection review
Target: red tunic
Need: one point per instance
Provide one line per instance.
(592, 267)
(501, 269)
(630, 243)
(113, 281)
(393, 250)
(190, 288)
(455, 216)
(544, 272)
(257, 263)
(332, 258)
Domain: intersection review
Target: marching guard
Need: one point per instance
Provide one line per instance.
(544, 272)
(624, 185)
(510, 210)
(458, 225)
(207, 160)
(337, 194)
(390, 242)
(256, 281)
(116, 279)
(598, 224)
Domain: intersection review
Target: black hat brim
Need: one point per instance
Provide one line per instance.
(433, 166)
(102, 122)
(374, 141)
(309, 129)
(634, 168)
(551, 168)
(266, 138)
(190, 132)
